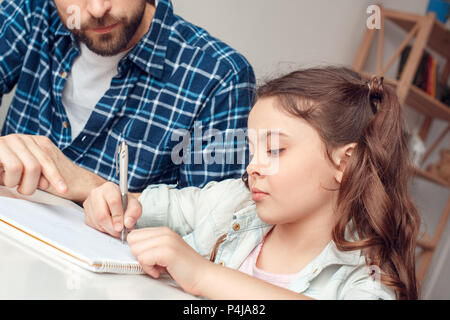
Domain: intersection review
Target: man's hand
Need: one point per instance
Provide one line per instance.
(33, 162)
(103, 210)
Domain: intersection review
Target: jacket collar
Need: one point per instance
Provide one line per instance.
(330, 255)
(247, 214)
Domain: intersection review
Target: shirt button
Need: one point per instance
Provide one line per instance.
(63, 74)
(65, 124)
(236, 226)
(315, 270)
(84, 138)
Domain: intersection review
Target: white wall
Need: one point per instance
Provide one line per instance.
(280, 35)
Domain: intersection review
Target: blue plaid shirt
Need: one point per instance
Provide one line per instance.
(177, 79)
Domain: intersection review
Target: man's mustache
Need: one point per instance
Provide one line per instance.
(94, 23)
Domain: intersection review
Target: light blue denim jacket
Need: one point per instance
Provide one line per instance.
(220, 221)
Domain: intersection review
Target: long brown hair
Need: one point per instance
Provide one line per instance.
(344, 108)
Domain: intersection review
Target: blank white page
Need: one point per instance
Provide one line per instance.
(65, 229)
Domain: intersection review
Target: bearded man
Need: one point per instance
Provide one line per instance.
(90, 74)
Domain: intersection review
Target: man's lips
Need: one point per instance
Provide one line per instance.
(258, 194)
(103, 30)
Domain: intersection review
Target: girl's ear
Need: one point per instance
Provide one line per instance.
(340, 158)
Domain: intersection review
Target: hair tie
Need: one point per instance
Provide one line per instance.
(375, 93)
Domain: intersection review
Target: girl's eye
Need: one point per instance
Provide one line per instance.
(275, 152)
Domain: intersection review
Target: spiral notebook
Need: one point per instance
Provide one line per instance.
(62, 231)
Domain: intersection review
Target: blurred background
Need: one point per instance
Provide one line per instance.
(283, 35)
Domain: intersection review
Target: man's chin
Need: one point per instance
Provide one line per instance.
(106, 50)
(104, 44)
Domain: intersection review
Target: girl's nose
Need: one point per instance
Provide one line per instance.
(98, 8)
(253, 168)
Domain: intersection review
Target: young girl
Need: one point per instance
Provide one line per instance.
(323, 212)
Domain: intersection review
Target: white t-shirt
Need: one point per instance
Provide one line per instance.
(86, 84)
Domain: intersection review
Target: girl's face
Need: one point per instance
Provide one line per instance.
(289, 172)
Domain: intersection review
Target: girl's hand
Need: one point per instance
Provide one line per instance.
(161, 249)
(103, 210)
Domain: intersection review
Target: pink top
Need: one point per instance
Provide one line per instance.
(249, 267)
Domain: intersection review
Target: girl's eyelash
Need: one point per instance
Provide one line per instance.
(271, 152)
(276, 151)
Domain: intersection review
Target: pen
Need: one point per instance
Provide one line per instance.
(123, 182)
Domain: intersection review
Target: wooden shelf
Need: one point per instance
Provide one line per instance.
(424, 103)
(430, 177)
(426, 245)
(421, 101)
(439, 39)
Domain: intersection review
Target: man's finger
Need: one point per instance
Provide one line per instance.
(49, 168)
(43, 183)
(31, 169)
(11, 164)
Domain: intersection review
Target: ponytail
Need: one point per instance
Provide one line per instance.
(374, 195)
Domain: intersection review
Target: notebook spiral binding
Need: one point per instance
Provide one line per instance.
(120, 268)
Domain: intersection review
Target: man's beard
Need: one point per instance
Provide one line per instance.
(112, 43)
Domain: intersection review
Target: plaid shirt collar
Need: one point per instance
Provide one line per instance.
(147, 54)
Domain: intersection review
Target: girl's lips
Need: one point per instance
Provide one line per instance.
(105, 29)
(258, 195)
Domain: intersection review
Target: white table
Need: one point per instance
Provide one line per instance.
(27, 274)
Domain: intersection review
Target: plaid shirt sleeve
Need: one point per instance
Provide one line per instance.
(222, 122)
(14, 31)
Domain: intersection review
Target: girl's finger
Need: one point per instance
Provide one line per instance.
(145, 233)
(137, 248)
(133, 212)
(153, 257)
(88, 207)
(102, 215)
(114, 203)
(153, 271)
